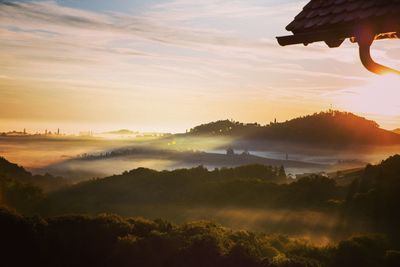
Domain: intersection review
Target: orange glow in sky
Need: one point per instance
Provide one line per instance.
(170, 65)
(378, 98)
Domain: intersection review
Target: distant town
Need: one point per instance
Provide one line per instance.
(58, 133)
(24, 132)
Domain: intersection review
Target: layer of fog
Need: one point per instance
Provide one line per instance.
(61, 156)
(315, 226)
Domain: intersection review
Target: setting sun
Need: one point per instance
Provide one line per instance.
(379, 97)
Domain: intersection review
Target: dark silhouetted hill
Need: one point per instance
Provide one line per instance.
(331, 127)
(13, 170)
(46, 182)
(375, 196)
(225, 127)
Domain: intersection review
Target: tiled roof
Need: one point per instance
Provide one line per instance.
(332, 21)
(321, 15)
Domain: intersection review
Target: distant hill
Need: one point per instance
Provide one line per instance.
(122, 132)
(396, 131)
(331, 127)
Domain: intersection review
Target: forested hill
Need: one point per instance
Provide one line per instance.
(195, 186)
(14, 177)
(110, 240)
(375, 196)
(331, 127)
(13, 170)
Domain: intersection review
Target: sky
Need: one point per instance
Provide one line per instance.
(160, 65)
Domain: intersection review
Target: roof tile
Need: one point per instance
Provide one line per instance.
(326, 14)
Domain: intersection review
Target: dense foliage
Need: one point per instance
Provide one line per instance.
(247, 186)
(109, 240)
(17, 173)
(24, 197)
(369, 203)
(375, 196)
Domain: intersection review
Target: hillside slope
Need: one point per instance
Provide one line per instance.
(251, 186)
(375, 196)
(331, 127)
(12, 171)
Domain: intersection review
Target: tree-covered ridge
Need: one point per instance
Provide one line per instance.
(375, 196)
(331, 127)
(21, 190)
(110, 240)
(12, 172)
(368, 204)
(252, 186)
(23, 197)
(368, 201)
(224, 127)
(243, 186)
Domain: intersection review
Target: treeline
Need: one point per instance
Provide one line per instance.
(30, 194)
(369, 203)
(110, 240)
(252, 186)
(371, 197)
(21, 190)
(331, 127)
(23, 197)
(18, 174)
(225, 127)
(375, 197)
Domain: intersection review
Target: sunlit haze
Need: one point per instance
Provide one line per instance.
(376, 99)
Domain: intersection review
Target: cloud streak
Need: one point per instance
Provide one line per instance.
(54, 17)
(222, 50)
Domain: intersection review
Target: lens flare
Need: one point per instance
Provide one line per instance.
(379, 98)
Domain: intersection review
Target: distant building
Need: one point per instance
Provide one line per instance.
(246, 153)
(230, 151)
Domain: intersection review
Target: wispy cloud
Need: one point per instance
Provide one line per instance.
(176, 50)
(188, 10)
(33, 17)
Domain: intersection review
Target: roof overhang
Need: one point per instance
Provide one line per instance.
(363, 34)
(318, 36)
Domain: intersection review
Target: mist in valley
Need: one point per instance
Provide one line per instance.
(83, 158)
